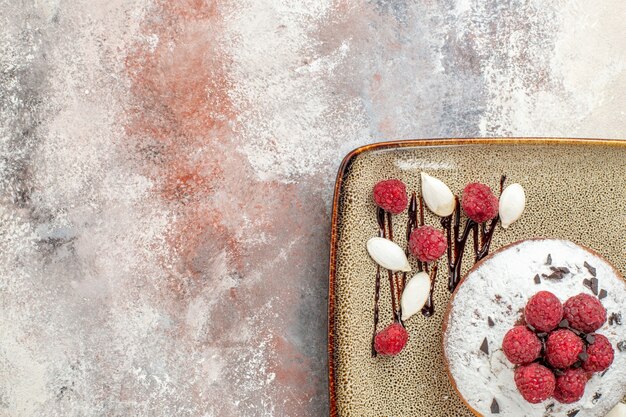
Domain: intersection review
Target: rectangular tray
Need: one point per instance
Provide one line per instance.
(575, 190)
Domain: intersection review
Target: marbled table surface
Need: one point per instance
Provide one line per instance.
(166, 172)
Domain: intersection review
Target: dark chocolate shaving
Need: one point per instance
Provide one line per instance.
(573, 413)
(592, 284)
(559, 372)
(558, 274)
(550, 407)
(495, 407)
(577, 364)
(542, 334)
(549, 260)
(537, 279)
(564, 323)
(590, 339)
(621, 346)
(596, 397)
(576, 332)
(485, 346)
(615, 319)
(583, 356)
(590, 268)
(602, 294)
(490, 322)
(604, 373)
(560, 269)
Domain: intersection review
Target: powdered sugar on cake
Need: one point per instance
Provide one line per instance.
(499, 289)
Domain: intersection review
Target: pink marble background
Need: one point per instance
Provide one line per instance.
(166, 172)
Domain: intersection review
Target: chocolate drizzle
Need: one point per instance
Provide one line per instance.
(380, 217)
(457, 240)
(429, 308)
(456, 244)
(487, 234)
(392, 278)
(376, 297)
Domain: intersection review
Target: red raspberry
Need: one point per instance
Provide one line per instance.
(535, 382)
(427, 243)
(390, 195)
(391, 341)
(543, 311)
(584, 312)
(600, 354)
(479, 203)
(570, 386)
(521, 346)
(563, 347)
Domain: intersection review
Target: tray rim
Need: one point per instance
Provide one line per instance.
(345, 165)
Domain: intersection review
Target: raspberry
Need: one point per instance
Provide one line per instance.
(570, 386)
(584, 312)
(563, 347)
(479, 203)
(427, 243)
(390, 195)
(535, 382)
(391, 341)
(521, 346)
(543, 311)
(600, 355)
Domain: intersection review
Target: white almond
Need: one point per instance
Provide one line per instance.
(388, 254)
(512, 204)
(415, 294)
(618, 411)
(437, 196)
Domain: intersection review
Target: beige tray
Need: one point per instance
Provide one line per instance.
(575, 190)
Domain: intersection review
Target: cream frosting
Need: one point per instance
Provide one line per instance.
(499, 288)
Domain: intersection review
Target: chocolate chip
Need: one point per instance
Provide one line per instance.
(602, 294)
(549, 260)
(621, 346)
(537, 279)
(495, 407)
(564, 323)
(596, 397)
(583, 356)
(590, 339)
(573, 413)
(490, 322)
(485, 346)
(590, 268)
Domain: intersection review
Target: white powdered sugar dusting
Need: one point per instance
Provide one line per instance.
(499, 288)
